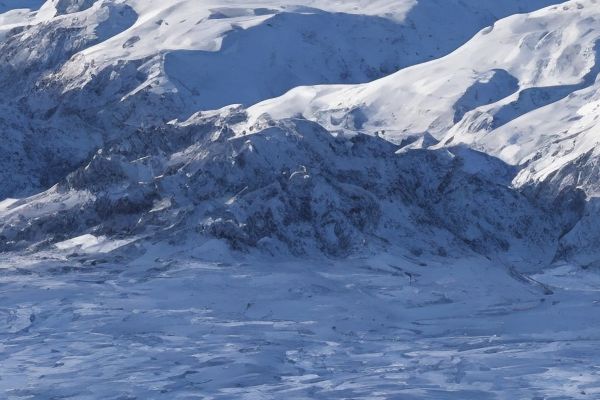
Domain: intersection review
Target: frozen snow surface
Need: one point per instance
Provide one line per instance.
(225, 199)
(166, 325)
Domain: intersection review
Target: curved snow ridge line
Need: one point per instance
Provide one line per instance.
(15, 14)
(13, 5)
(422, 97)
(166, 29)
(291, 50)
(63, 7)
(185, 26)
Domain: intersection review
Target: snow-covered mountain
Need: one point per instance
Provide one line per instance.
(105, 77)
(481, 94)
(523, 90)
(82, 72)
(356, 177)
(98, 83)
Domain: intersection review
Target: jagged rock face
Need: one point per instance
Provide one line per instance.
(295, 186)
(34, 51)
(571, 192)
(342, 191)
(44, 140)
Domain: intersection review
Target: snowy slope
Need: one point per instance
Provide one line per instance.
(553, 47)
(524, 90)
(73, 66)
(81, 92)
(230, 45)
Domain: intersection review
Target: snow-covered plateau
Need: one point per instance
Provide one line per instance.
(357, 199)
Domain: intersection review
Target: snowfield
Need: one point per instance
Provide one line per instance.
(223, 199)
(167, 325)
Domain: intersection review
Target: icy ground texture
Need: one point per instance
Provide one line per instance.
(378, 328)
